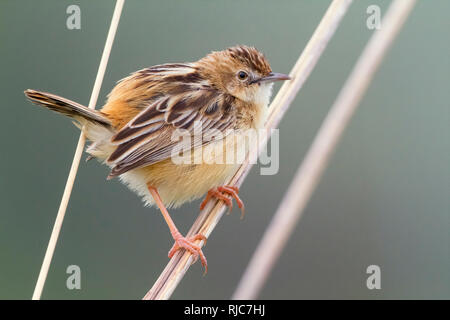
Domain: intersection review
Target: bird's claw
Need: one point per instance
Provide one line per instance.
(189, 245)
(226, 194)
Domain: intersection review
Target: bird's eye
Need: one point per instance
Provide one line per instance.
(242, 75)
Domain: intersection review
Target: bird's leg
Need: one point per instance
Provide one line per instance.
(180, 241)
(226, 194)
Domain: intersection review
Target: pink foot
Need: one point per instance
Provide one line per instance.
(189, 245)
(226, 194)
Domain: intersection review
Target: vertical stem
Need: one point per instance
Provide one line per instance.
(77, 156)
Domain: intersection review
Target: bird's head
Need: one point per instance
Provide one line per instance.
(240, 71)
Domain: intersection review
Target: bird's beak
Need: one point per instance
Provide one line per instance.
(274, 76)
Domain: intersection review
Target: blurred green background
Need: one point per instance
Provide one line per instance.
(384, 199)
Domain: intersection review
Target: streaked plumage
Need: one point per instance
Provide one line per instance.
(226, 91)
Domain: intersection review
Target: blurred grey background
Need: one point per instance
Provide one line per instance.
(384, 200)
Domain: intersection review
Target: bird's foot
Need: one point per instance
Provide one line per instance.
(189, 245)
(226, 194)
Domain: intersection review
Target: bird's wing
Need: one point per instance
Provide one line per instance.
(148, 138)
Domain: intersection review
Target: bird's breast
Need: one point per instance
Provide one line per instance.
(179, 182)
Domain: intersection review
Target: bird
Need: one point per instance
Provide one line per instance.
(224, 94)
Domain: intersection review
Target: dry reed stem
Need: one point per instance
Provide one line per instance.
(318, 156)
(210, 216)
(77, 156)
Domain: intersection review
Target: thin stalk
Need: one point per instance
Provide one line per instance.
(77, 156)
(309, 173)
(211, 214)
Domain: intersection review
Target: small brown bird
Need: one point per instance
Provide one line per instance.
(226, 91)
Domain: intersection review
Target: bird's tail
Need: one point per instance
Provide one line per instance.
(80, 113)
(95, 124)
